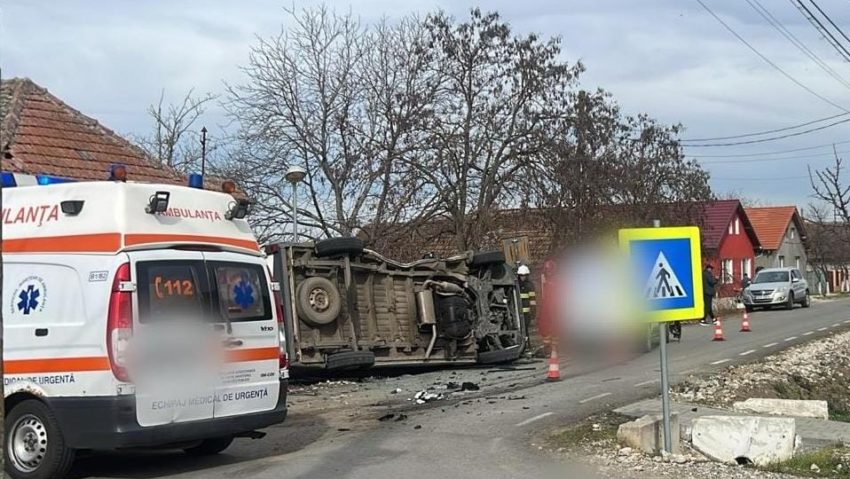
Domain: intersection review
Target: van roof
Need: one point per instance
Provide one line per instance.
(113, 218)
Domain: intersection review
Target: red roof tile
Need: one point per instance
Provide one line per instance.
(43, 135)
(771, 223)
(715, 218)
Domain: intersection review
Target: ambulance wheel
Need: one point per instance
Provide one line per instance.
(35, 447)
(339, 247)
(210, 447)
(318, 301)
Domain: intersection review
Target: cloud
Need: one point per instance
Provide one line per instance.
(670, 59)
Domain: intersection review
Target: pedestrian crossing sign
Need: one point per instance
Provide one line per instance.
(665, 263)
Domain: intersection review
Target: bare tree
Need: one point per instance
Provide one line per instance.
(498, 93)
(347, 103)
(175, 140)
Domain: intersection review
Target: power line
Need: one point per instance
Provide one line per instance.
(776, 24)
(825, 33)
(779, 152)
(760, 160)
(768, 61)
(766, 132)
(773, 138)
(839, 30)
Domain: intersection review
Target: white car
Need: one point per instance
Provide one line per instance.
(774, 287)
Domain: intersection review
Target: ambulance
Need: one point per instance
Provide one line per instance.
(135, 315)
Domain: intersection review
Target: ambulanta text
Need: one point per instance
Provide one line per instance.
(32, 215)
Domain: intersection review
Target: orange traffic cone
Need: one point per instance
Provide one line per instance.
(554, 373)
(745, 323)
(718, 330)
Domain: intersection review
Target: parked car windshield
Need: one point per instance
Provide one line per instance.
(772, 277)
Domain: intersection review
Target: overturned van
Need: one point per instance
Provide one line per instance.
(352, 307)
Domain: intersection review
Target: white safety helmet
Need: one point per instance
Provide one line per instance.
(523, 270)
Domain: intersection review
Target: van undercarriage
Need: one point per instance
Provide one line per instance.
(356, 308)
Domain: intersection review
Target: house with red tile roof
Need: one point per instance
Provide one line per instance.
(782, 235)
(729, 243)
(41, 134)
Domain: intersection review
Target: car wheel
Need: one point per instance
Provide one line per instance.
(35, 447)
(210, 447)
(339, 247)
(318, 301)
(749, 309)
(790, 304)
(807, 300)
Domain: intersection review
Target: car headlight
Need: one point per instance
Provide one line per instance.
(782, 290)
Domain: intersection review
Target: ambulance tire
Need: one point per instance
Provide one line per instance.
(210, 447)
(38, 419)
(318, 301)
(487, 257)
(500, 355)
(340, 247)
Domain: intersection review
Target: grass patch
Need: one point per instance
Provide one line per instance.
(831, 462)
(595, 429)
(842, 416)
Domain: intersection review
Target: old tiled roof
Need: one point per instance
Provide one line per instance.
(771, 223)
(43, 135)
(715, 218)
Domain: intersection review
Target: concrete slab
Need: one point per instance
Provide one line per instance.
(813, 432)
(646, 434)
(784, 407)
(744, 439)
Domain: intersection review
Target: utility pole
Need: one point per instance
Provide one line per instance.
(203, 150)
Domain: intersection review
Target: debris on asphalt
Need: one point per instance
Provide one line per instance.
(424, 396)
(386, 417)
(401, 417)
(396, 391)
(469, 386)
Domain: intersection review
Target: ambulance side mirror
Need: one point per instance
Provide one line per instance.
(158, 203)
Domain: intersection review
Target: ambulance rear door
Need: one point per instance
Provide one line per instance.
(174, 346)
(243, 306)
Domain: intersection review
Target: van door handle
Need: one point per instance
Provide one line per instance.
(232, 343)
(41, 332)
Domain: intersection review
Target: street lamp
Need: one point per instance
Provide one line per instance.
(294, 175)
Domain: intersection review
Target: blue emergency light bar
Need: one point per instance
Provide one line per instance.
(51, 180)
(9, 180)
(196, 181)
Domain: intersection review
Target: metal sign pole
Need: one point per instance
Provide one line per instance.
(665, 379)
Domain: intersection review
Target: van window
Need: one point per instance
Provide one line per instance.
(242, 291)
(172, 290)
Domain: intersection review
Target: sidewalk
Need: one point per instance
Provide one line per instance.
(814, 433)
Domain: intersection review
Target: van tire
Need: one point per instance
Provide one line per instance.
(210, 447)
(317, 301)
(340, 247)
(57, 459)
(500, 355)
(487, 257)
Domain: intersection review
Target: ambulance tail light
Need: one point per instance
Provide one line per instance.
(281, 328)
(119, 323)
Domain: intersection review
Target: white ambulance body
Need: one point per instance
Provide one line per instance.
(96, 276)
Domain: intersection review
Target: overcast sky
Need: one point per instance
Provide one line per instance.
(671, 59)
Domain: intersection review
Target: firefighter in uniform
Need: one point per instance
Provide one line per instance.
(529, 306)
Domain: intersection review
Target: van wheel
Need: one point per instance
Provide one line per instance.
(486, 258)
(35, 447)
(318, 301)
(339, 247)
(210, 447)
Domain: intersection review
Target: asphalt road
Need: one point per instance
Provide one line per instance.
(485, 437)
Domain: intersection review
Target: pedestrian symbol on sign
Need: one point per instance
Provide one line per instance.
(662, 282)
